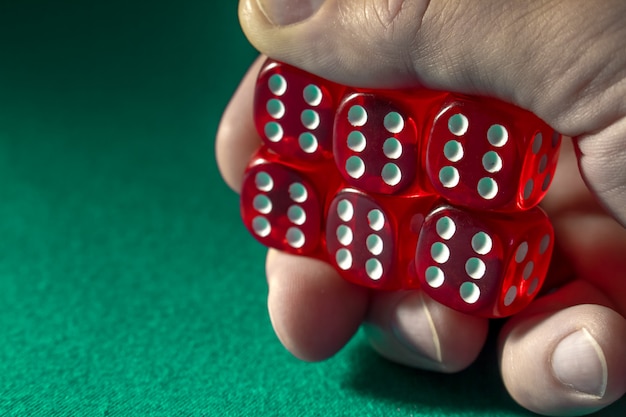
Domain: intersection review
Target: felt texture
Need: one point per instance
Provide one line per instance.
(128, 285)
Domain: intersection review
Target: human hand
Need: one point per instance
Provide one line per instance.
(565, 62)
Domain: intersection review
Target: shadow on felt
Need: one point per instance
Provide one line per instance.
(476, 389)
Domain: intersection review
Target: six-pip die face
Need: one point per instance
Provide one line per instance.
(371, 240)
(366, 180)
(376, 144)
(294, 112)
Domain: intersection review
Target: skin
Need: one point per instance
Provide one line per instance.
(563, 60)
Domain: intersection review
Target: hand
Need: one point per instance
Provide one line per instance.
(562, 60)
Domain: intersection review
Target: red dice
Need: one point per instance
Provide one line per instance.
(282, 207)
(404, 189)
(375, 144)
(485, 265)
(294, 112)
(490, 156)
(372, 240)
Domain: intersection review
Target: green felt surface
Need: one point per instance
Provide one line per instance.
(128, 286)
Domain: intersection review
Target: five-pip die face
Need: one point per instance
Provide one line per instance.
(490, 266)
(490, 155)
(373, 182)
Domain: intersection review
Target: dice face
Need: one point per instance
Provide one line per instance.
(539, 166)
(459, 260)
(294, 112)
(375, 144)
(530, 260)
(482, 156)
(489, 265)
(360, 238)
(281, 208)
(371, 239)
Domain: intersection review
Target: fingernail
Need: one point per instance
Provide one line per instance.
(287, 12)
(413, 326)
(579, 363)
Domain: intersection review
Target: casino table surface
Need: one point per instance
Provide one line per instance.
(128, 285)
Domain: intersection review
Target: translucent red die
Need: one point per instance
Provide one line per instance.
(375, 144)
(490, 155)
(282, 207)
(490, 265)
(372, 239)
(401, 190)
(294, 112)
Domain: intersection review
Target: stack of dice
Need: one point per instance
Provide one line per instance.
(404, 189)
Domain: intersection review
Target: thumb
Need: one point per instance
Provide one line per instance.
(562, 60)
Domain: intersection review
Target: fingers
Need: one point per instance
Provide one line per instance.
(568, 192)
(523, 53)
(602, 160)
(412, 329)
(237, 138)
(342, 34)
(567, 361)
(592, 245)
(564, 354)
(314, 311)
(490, 47)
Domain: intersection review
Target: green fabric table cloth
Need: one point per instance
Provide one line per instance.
(128, 285)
